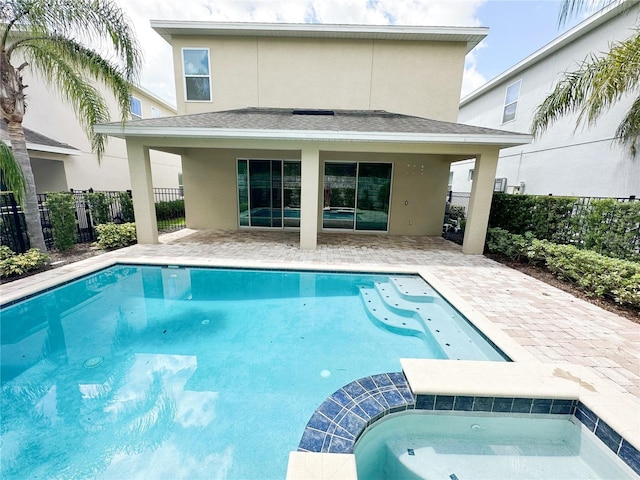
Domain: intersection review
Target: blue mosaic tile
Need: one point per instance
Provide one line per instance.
(406, 394)
(464, 404)
(425, 402)
(344, 433)
(329, 408)
(368, 384)
(399, 408)
(483, 404)
(354, 389)
(609, 436)
(630, 455)
(394, 398)
(382, 380)
(353, 424)
(357, 410)
(398, 379)
(319, 422)
(311, 441)
(562, 407)
(502, 405)
(342, 398)
(541, 405)
(586, 416)
(444, 402)
(372, 407)
(381, 400)
(521, 405)
(339, 445)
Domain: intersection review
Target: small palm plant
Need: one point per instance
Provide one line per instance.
(70, 44)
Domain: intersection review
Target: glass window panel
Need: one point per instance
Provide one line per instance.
(292, 193)
(276, 193)
(198, 88)
(513, 92)
(374, 188)
(243, 193)
(196, 61)
(509, 112)
(339, 195)
(135, 106)
(260, 193)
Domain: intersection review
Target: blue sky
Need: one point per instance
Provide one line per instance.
(517, 28)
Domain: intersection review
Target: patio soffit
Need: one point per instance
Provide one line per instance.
(301, 125)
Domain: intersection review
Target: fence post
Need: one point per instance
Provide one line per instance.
(18, 225)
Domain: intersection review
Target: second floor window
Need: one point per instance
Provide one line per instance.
(135, 107)
(511, 102)
(197, 76)
(155, 112)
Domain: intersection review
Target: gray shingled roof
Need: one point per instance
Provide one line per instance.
(34, 137)
(339, 121)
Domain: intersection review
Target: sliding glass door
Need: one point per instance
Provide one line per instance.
(356, 196)
(263, 185)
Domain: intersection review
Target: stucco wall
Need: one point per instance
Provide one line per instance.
(49, 175)
(413, 78)
(420, 180)
(564, 160)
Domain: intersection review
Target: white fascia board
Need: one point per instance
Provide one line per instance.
(558, 43)
(36, 147)
(317, 135)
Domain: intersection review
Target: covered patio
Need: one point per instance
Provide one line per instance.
(219, 148)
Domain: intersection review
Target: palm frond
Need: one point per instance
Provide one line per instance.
(571, 8)
(592, 89)
(87, 101)
(11, 172)
(629, 129)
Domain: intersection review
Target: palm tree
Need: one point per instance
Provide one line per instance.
(50, 37)
(599, 83)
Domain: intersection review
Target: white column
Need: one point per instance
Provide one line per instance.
(144, 206)
(309, 198)
(484, 176)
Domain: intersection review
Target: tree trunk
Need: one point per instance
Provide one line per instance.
(12, 107)
(30, 207)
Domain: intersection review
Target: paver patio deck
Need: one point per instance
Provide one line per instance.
(551, 324)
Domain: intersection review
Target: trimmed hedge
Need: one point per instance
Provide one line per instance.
(597, 274)
(169, 210)
(62, 214)
(111, 235)
(607, 226)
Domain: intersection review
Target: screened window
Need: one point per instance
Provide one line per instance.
(135, 107)
(197, 74)
(511, 102)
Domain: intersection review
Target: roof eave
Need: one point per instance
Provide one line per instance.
(502, 140)
(472, 36)
(37, 147)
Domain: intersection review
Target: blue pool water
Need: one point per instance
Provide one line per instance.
(149, 372)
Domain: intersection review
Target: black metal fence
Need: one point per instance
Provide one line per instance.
(92, 208)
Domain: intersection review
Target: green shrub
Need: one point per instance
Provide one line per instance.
(612, 228)
(169, 210)
(62, 213)
(126, 207)
(111, 235)
(99, 205)
(596, 274)
(12, 264)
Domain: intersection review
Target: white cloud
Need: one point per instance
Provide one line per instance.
(157, 74)
(472, 78)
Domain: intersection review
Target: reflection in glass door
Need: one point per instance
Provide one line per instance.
(263, 186)
(356, 196)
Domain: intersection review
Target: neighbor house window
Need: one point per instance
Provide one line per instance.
(197, 74)
(511, 102)
(135, 107)
(155, 112)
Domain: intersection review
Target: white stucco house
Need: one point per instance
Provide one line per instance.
(563, 160)
(60, 152)
(316, 128)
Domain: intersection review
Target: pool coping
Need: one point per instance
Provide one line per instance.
(600, 396)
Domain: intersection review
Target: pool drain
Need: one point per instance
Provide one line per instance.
(93, 362)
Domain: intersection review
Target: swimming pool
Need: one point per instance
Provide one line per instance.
(140, 371)
(460, 445)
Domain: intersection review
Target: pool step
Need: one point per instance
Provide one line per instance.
(429, 317)
(413, 288)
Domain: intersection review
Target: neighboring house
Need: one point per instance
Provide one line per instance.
(317, 128)
(563, 160)
(60, 152)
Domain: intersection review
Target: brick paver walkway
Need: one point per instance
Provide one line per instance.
(551, 324)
